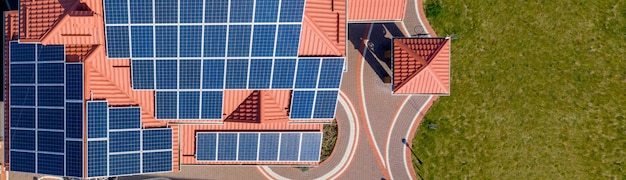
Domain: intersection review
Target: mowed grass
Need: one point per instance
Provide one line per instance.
(538, 91)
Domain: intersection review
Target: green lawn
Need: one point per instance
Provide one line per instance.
(538, 91)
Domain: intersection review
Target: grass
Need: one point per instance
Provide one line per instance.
(538, 91)
(329, 140)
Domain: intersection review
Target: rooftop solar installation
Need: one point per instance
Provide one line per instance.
(213, 45)
(118, 146)
(46, 110)
(258, 147)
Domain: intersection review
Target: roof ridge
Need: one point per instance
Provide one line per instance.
(441, 86)
(431, 56)
(311, 24)
(271, 105)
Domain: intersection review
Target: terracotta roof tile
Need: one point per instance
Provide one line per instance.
(38, 16)
(376, 10)
(421, 65)
(323, 29)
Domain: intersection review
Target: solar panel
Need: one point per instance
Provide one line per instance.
(213, 74)
(289, 39)
(325, 102)
(116, 11)
(50, 164)
(291, 11)
(190, 74)
(189, 105)
(125, 118)
(143, 74)
(289, 146)
(50, 53)
(330, 74)
(97, 158)
(22, 139)
(263, 40)
(165, 11)
(74, 120)
(268, 150)
(248, 146)
(22, 96)
(157, 161)
(239, 40)
(284, 70)
(50, 141)
(74, 81)
(74, 158)
(236, 73)
(260, 74)
(142, 41)
(167, 76)
(50, 73)
(241, 11)
(227, 146)
(22, 117)
(212, 104)
(310, 146)
(215, 41)
(22, 52)
(50, 96)
(268, 146)
(166, 103)
(307, 72)
(97, 119)
(141, 11)
(191, 11)
(206, 146)
(124, 164)
(302, 104)
(266, 11)
(22, 74)
(166, 41)
(117, 41)
(190, 44)
(50, 119)
(216, 11)
(121, 141)
(26, 159)
(157, 139)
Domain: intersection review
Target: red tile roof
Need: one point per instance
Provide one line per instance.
(376, 10)
(258, 107)
(421, 66)
(38, 16)
(323, 29)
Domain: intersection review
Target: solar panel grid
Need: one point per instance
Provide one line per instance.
(22, 52)
(190, 44)
(141, 11)
(97, 119)
(116, 11)
(291, 11)
(157, 161)
(212, 104)
(166, 105)
(241, 10)
(213, 74)
(52, 96)
(157, 139)
(289, 40)
(50, 164)
(50, 73)
(166, 41)
(189, 105)
(50, 119)
(325, 103)
(167, 76)
(215, 40)
(263, 40)
(74, 120)
(306, 76)
(190, 74)
(239, 40)
(191, 11)
(22, 139)
(22, 117)
(22, 73)
(302, 104)
(266, 11)
(216, 11)
(260, 74)
(142, 41)
(284, 71)
(236, 73)
(124, 164)
(292, 146)
(143, 74)
(123, 141)
(50, 53)
(165, 11)
(125, 118)
(117, 42)
(97, 159)
(27, 160)
(50, 141)
(74, 158)
(74, 81)
(22, 95)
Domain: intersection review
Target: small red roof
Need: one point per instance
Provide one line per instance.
(376, 10)
(421, 66)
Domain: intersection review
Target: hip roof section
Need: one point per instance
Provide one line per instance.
(323, 28)
(421, 66)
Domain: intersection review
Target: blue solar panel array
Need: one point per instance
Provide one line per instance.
(46, 110)
(249, 146)
(118, 146)
(215, 45)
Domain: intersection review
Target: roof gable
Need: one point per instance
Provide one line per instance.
(421, 66)
(323, 29)
(258, 106)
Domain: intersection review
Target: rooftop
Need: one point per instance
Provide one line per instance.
(421, 66)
